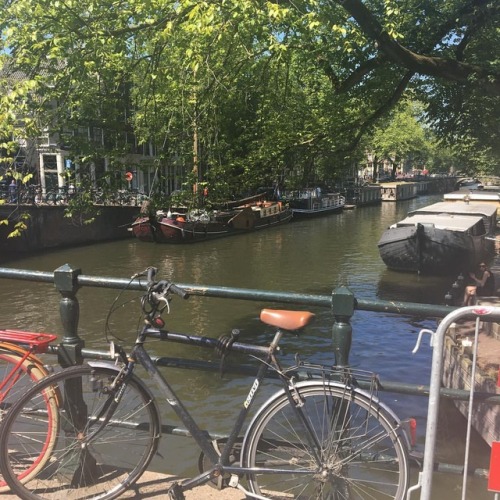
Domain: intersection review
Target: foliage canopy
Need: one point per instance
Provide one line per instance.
(254, 91)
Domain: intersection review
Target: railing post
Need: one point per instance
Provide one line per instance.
(66, 282)
(343, 304)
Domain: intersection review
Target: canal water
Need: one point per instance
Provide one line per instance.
(310, 256)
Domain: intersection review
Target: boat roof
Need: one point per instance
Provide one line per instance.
(459, 208)
(393, 184)
(474, 195)
(441, 221)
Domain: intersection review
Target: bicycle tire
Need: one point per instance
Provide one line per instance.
(363, 452)
(112, 460)
(28, 373)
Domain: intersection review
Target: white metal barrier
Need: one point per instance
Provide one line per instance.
(478, 313)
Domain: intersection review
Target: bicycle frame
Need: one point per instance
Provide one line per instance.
(268, 361)
(220, 464)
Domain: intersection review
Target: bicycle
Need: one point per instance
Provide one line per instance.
(319, 436)
(20, 369)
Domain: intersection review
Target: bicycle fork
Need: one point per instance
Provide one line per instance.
(115, 394)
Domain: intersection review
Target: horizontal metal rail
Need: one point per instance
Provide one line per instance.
(251, 371)
(256, 295)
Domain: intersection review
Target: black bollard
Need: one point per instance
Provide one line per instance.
(343, 305)
(66, 282)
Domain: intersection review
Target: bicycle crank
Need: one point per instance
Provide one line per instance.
(204, 463)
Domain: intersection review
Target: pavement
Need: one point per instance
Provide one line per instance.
(152, 485)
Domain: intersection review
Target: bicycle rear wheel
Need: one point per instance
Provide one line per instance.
(16, 378)
(91, 458)
(333, 442)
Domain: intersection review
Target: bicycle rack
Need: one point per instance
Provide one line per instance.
(485, 313)
(38, 342)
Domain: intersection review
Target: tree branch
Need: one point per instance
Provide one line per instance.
(440, 67)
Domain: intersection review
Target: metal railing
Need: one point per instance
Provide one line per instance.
(343, 304)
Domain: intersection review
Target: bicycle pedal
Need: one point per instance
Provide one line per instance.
(234, 481)
(175, 492)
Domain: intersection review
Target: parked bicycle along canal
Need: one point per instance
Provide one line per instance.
(310, 256)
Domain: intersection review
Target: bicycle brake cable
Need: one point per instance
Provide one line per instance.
(107, 330)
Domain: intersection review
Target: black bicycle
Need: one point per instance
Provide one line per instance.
(320, 436)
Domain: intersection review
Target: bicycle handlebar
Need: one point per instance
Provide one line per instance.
(158, 295)
(160, 288)
(183, 294)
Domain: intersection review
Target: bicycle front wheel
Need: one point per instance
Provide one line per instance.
(332, 442)
(92, 457)
(17, 376)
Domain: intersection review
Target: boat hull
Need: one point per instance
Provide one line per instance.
(312, 204)
(166, 229)
(144, 229)
(429, 250)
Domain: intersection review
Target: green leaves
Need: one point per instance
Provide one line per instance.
(264, 90)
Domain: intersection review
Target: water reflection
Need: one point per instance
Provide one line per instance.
(412, 287)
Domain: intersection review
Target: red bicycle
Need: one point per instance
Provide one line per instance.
(20, 369)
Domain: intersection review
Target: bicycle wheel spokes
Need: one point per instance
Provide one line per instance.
(83, 463)
(16, 378)
(360, 455)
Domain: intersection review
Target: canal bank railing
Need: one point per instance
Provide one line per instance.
(343, 304)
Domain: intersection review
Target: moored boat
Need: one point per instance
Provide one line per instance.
(397, 191)
(488, 196)
(487, 212)
(311, 202)
(201, 225)
(439, 244)
(359, 195)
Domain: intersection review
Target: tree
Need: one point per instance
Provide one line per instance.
(452, 54)
(402, 138)
(258, 90)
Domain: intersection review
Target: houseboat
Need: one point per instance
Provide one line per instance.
(397, 191)
(200, 225)
(312, 202)
(438, 242)
(369, 194)
(487, 196)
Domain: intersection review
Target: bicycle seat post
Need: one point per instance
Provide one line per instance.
(343, 305)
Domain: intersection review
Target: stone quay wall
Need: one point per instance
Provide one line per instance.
(48, 228)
